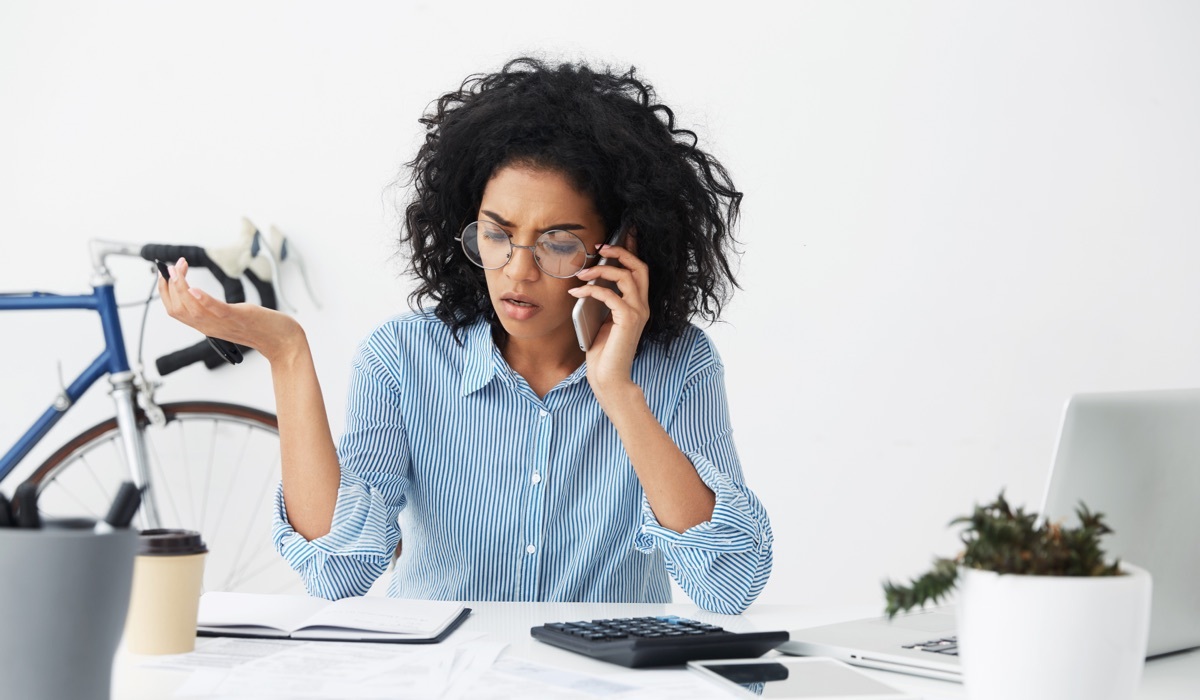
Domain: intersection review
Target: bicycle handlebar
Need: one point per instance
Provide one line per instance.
(196, 257)
(253, 258)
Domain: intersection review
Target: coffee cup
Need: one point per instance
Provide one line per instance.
(167, 576)
(63, 596)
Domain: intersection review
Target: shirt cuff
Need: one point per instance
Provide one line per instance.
(731, 529)
(357, 506)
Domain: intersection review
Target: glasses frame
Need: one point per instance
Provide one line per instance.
(588, 257)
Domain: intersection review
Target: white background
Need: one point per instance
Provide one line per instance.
(956, 214)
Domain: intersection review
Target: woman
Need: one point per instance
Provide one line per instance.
(470, 426)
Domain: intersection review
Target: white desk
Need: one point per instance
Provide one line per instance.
(1174, 677)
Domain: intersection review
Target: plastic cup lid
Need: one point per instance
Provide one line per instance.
(163, 542)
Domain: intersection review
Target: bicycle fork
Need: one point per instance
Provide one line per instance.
(134, 443)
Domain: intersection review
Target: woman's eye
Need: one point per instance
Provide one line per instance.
(495, 236)
(559, 248)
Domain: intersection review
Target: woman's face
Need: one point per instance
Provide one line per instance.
(526, 202)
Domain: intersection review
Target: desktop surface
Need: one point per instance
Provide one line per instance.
(1172, 677)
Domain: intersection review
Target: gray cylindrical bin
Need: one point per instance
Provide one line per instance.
(64, 594)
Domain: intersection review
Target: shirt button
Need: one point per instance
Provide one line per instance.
(530, 549)
(542, 413)
(536, 477)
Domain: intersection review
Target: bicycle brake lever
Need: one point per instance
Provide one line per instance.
(273, 254)
(260, 247)
(289, 251)
(226, 350)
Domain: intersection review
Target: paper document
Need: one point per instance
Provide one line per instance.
(328, 670)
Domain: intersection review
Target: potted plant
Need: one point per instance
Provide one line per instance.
(1041, 613)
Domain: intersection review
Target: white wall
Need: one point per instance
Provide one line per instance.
(956, 214)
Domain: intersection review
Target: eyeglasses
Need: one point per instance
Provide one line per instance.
(558, 253)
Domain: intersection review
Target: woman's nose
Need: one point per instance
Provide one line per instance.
(522, 265)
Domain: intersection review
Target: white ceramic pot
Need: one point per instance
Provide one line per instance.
(1053, 637)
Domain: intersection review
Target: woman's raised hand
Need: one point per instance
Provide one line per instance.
(268, 331)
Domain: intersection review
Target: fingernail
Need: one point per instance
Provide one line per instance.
(181, 261)
(574, 291)
(171, 271)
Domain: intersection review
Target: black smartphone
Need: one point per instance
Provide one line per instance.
(589, 314)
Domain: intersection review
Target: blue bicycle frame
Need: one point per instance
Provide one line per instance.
(111, 361)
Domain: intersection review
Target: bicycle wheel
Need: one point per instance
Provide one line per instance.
(213, 468)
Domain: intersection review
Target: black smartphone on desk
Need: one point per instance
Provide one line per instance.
(589, 314)
(812, 678)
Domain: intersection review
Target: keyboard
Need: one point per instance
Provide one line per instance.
(668, 640)
(941, 645)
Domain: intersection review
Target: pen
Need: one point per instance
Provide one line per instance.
(6, 516)
(124, 505)
(26, 497)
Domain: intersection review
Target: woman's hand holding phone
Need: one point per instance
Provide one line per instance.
(590, 313)
(611, 352)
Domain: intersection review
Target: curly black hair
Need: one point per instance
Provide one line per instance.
(607, 134)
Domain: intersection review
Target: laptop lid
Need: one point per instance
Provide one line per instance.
(1135, 456)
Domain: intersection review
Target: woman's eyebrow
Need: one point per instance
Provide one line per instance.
(498, 219)
(553, 227)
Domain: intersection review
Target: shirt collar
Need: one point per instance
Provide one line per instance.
(480, 364)
(484, 360)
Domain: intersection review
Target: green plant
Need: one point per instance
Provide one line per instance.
(1006, 541)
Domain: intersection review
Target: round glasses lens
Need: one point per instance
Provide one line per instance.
(560, 253)
(486, 245)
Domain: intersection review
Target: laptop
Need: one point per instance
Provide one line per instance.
(1134, 456)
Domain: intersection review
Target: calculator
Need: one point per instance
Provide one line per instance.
(667, 640)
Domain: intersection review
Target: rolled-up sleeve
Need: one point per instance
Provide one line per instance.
(374, 458)
(722, 564)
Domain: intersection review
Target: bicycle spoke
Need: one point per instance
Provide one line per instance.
(239, 469)
(161, 479)
(237, 561)
(71, 494)
(185, 476)
(231, 492)
(99, 484)
(212, 454)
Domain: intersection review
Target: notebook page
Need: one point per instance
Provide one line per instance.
(282, 612)
(379, 614)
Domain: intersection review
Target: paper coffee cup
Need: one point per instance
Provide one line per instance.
(167, 575)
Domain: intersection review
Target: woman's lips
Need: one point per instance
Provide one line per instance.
(520, 309)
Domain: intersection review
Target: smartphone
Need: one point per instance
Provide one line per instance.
(589, 314)
(811, 678)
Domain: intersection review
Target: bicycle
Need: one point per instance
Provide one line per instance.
(231, 450)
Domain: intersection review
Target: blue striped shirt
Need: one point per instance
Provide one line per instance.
(502, 495)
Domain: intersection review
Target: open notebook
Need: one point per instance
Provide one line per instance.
(365, 619)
